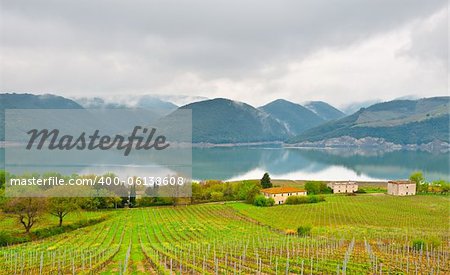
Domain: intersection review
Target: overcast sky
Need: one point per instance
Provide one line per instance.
(249, 50)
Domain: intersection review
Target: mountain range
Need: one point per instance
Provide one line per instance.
(398, 122)
(314, 124)
(324, 110)
(294, 117)
(155, 104)
(30, 101)
(222, 120)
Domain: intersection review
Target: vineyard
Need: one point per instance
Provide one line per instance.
(350, 235)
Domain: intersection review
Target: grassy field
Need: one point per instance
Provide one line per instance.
(364, 234)
(9, 222)
(426, 216)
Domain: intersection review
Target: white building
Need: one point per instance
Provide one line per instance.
(401, 188)
(343, 187)
(280, 194)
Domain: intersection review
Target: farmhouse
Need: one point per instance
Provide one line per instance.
(280, 194)
(343, 187)
(401, 188)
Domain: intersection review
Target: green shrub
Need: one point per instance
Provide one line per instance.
(304, 199)
(8, 239)
(5, 238)
(317, 187)
(296, 200)
(51, 231)
(154, 201)
(55, 230)
(270, 202)
(304, 230)
(313, 199)
(145, 201)
(262, 201)
(418, 244)
(259, 200)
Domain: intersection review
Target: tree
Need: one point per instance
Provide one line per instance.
(62, 206)
(216, 196)
(265, 181)
(423, 188)
(445, 186)
(251, 194)
(2, 178)
(132, 195)
(99, 199)
(27, 210)
(3, 175)
(324, 189)
(312, 187)
(417, 178)
(247, 190)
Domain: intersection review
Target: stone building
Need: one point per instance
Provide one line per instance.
(280, 194)
(343, 187)
(401, 188)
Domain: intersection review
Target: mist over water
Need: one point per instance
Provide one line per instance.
(236, 163)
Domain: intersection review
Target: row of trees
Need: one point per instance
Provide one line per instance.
(425, 187)
(247, 190)
(29, 210)
(214, 190)
(317, 187)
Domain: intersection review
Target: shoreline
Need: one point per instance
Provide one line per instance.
(429, 147)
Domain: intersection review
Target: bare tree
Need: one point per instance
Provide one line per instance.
(27, 210)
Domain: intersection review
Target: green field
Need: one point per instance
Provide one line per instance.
(9, 222)
(364, 234)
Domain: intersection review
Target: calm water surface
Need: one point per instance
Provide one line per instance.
(234, 163)
(294, 163)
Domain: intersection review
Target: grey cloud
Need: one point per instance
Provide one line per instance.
(429, 42)
(133, 46)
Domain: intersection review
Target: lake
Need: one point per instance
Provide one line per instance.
(250, 162)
